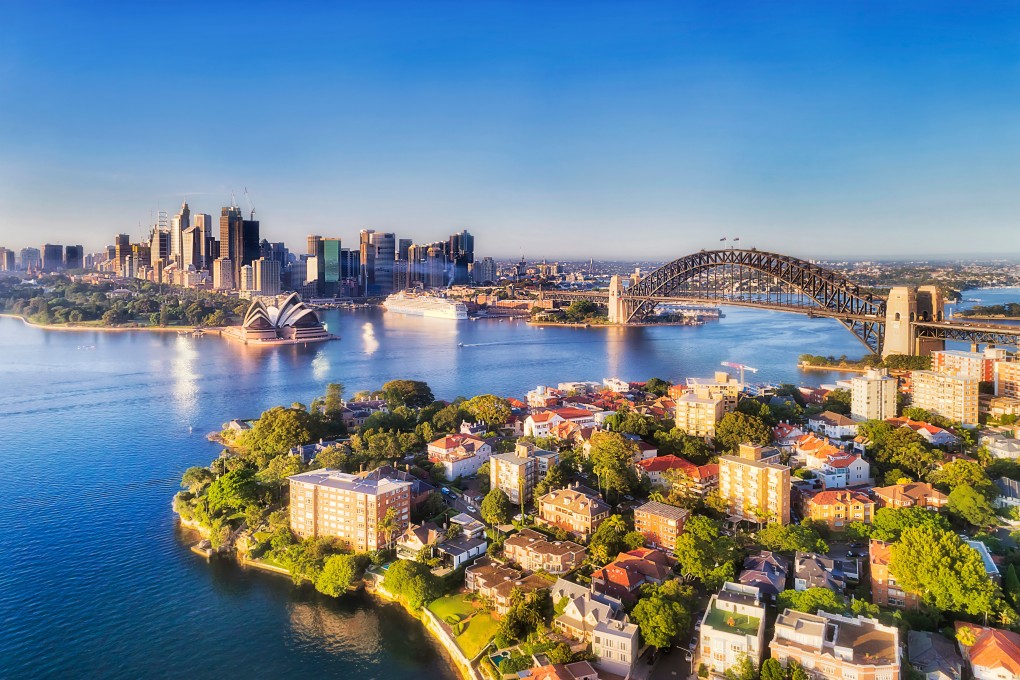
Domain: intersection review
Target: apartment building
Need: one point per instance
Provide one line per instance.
(721, 386)
(572, 510)
(979, 365)
(670, 471)
(697, 416)
(460, 454)
(517, 473)
(733, 628)
(1006, 375)
(496, 582)
(753, 486)
(348, 507)
(534, 552)
(615, 646)
(885, 592)
(839, 507)
(951, 396)
(873, 395)
(834, 647)
(660, 524)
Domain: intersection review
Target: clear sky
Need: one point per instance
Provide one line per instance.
(569, 130)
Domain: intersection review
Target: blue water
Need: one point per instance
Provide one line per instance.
(97, 580)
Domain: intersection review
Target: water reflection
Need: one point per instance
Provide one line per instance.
(185, 375)
(368, 338)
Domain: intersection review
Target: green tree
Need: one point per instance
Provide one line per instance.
(411, 393)
(658, 386)
(744, 670)
(611, 538)
(1011, 584)
(738, 428)
(413, 582)
(771, 669)
(278, 470)
(495, 507)
(554, 479)
(333, 457)
(811, 600)
(790, 538)
(946, 572)
(837, 401)
(889, 523)
(970, 506)
(333, 404)
(489, 409)
(277, 431)
(611, 459)
(389, 525)
(196, 478)
(339, 572)
(704, 553)
(659, 619)
(233, 491)
(959, 472)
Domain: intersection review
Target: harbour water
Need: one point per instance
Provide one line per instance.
(96, 429)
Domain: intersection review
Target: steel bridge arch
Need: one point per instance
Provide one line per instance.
(832, 294)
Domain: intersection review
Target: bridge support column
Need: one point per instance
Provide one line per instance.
(617, 311)
(904, 307)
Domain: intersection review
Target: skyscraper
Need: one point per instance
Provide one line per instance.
(247, 278)
(367, 260)
(313, 244)
(385, 258)
(485, 270)
(122, 248)
(207, 233)
(266, 275)
(6, 260)
(435, 267)
(52, 258)
(328, 262)
(223, 274)
(191, 252)
(31, 258)
(231, 239)
(159, 246)
(250, 245)
(460, 253)
(74, 257)
(178, 225)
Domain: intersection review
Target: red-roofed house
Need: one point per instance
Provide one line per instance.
(665, 470)
(934, 435)
(786, 435)
(540, 424)
(995, 654)
(460, 454)
(836, 467)
(624, 576)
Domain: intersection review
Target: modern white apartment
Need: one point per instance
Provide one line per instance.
(873, 395)
(733, 627)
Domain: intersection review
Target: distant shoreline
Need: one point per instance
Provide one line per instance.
(845, 369)
(114, 329)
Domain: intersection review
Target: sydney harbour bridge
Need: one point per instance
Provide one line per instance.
(906, 321)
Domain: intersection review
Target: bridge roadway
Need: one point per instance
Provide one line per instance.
(979, 332)
(810, 310)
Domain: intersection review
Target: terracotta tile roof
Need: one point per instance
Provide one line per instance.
(914, 492)
(572, 413)
(840, 497)
(842, 461)
(833, 419)
(670, 462)
(454, 440)
(994, 648)
(575, 501)
(543, 417)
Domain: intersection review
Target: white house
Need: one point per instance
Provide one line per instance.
(833, 425)
(733, 627)
(615, 646)
(460, 454)
(839, 472)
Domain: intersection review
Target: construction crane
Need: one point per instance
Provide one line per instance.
(741, 368)
(250, 204)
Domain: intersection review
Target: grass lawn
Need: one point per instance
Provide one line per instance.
(480, 631)
(721, 620)
(450, 605)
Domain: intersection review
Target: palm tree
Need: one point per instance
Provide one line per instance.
(388, 525)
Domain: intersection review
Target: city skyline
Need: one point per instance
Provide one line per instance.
(563, 131)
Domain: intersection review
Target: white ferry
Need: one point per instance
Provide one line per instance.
(425, 305)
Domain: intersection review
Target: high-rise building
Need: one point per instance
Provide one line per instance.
(980, 365)
(367, 260)
(159, 246)
(485, 271)
(348, 507)
(7, 260)
(207, 236)
(313, 244)
(31, 258)
(385, 246)
(191, 249)
(403, 246)
(251, 247)
(74, 257)
(232, 239)
(328, 262)
(1007, 379)
(122, 248)
(266, 275)
(951, 396)
(873, 395)
(350, 267)
(460, 253)
(223, 274)
(435, 268)
(246, 278)
(517, 473)
(178, 225)
(755, 486)
(697, 416)
(52, 258)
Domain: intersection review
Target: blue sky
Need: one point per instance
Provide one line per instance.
(629, 130)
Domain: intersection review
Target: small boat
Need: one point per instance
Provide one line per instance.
(460, 344)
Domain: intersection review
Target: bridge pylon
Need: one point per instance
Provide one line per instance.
(617, 306)
(903, 308)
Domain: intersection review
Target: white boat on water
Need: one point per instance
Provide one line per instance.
(425, 305)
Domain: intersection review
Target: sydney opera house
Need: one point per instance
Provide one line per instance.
(289, 321)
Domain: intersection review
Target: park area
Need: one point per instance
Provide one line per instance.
(472, 627)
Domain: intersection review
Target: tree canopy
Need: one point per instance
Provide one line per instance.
(489, 409)
(889, 523)
(611, 456)
(739, 428)
(811, 600)
(495, 508)
(663, 612)
(704, 553)
(411, 393)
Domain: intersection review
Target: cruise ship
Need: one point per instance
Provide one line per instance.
(425, 305)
